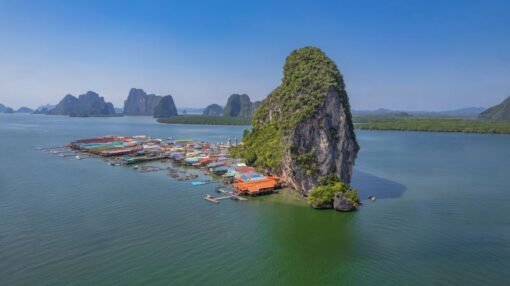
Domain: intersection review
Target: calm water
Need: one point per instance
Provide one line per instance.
(442, 216)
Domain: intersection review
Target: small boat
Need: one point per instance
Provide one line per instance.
(135, 167)
(77, 157)
(372, 198)
(198, 183)
(211, 199)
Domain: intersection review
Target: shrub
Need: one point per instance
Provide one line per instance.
(325, 192)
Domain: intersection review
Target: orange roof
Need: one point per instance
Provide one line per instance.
(253, 187)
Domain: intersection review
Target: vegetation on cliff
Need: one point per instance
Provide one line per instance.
(308, 76)
(261, 147)
(323, 195)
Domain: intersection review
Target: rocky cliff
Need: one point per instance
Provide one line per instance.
(88, 104)
(239, 105)
(165, 107)
(498, 112)
(213, 110)
(303, 130)
(139, 102)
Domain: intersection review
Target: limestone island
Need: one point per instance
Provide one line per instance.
(303, 132)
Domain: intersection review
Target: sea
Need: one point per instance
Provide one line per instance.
(441, 217)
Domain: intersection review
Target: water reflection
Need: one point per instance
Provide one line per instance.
(370, 185)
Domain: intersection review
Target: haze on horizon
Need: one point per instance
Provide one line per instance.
(405, 55)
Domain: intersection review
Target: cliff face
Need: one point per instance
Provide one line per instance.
(213, 110)
(239, 105)
(498, 112)
(322, 144)
(139, 102)
(165, 107)
(88, 104)
(303, 129)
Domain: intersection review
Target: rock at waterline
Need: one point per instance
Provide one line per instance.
(343, 204)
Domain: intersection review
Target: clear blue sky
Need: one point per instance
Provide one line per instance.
(412, 55)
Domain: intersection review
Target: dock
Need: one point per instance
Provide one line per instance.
(229, 195)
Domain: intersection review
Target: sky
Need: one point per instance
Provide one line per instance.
(404, 55)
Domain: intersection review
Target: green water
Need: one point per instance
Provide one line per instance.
(442, 216)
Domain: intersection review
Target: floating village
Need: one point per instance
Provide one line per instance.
(231, 178)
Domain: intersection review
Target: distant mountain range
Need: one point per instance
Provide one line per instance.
(462, 112)
(139, 102)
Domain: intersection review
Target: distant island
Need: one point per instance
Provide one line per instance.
(239, 110)
(85, 105)
(24, 109)
(43, 109)
(5, 109)
(90, 104)
(139, 102)
(213, 110)
(165, 107)
(500, 112)
(240, 105)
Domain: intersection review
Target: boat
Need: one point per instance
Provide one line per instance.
(211, 199)
(198, 183)
(77, 157)
(220, 170)
(372, 198)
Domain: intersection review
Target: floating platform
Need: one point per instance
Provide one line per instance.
(211, 199)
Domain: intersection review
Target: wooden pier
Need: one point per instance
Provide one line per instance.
(229, 195)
